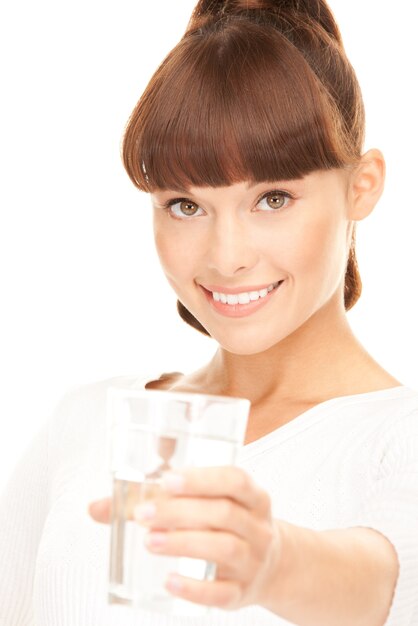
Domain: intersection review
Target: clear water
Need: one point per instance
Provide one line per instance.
(137, 577)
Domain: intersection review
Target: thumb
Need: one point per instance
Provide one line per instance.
(100, 510)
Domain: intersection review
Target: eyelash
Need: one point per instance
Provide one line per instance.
(167, 205)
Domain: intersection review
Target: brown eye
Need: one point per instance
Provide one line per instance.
(188, 208)
(276, 200)
(182, 209)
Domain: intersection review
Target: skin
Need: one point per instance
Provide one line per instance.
(295, 352)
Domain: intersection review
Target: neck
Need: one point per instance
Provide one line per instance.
(321, 360)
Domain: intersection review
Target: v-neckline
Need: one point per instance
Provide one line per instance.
(305, 419)
(320, 411)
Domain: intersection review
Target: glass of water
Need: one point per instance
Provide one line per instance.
(152, 432)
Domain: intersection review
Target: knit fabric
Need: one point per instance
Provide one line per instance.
(349, 461)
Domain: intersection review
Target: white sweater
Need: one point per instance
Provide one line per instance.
(350, 461)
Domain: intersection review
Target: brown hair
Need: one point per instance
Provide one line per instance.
(256, 90)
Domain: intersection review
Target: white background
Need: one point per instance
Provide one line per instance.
(82, 295)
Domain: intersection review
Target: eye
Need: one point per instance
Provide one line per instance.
(275, 200)
(182, 208)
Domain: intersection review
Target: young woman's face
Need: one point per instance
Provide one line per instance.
(254, 263)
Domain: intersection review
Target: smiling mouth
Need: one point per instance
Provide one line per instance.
(245, 297)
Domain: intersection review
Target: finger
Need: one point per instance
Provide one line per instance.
(224, 594)
(230, 552)
(230, 482)
(125, 498)
(198, 513)
(100, 510)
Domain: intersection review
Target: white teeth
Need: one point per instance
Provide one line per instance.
(245, 297)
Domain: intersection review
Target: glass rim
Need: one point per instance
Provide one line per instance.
(124, 392)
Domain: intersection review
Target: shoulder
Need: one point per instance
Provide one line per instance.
(95, 390)
(388, 411)
(401, 425)
(396, 409)
(385, 407)
(376, 423)
(395, 430)
(84, 404)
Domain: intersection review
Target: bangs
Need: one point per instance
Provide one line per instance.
(240, 104)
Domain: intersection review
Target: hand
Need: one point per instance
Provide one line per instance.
(220, 515)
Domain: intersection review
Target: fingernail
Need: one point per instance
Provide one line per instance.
(155, 540)
(173, 482)
(174, 583)
(144, 511)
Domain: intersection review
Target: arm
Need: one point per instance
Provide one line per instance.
(23, 507)
(344, 577)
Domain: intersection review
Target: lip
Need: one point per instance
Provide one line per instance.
(240, 310)
(235, 290)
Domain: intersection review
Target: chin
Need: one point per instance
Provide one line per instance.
(246, 344)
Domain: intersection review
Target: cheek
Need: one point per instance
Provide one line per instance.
(317, 246)
(175, 258)
(312, 253)
(320, 264)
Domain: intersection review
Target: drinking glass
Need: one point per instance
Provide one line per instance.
(152, 432)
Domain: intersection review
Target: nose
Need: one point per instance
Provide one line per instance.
(231, 249)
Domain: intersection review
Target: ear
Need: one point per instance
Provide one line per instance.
(367, 184)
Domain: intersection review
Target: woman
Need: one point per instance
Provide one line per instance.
(249, 140)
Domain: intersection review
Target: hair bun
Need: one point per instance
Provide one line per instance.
(316, 10)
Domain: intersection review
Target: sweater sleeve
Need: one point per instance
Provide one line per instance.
(23, 509)
(390, 506)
